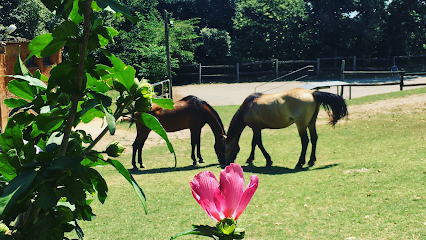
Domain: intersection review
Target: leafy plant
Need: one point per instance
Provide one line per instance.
(44, 195)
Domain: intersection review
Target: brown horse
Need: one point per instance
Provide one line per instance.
(189, 113)
(280, 110)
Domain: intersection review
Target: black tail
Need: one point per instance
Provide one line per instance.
(334, 102)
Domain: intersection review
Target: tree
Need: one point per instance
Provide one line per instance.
(266, 29)
(368, 29)
(406, 26)
(29, 16)
(215, 48)
(44, 194)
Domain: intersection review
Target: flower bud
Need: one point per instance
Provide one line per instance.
(114, 149)
(226, 226)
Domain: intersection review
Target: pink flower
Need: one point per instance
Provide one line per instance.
(227, 199)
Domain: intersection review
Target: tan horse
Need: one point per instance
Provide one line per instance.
(189, 113)
(280, 110)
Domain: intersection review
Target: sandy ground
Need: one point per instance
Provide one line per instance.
(235, 93)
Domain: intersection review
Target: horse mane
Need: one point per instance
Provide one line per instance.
(239, 115)
(199, 103)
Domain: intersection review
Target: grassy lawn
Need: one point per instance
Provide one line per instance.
(368, 183)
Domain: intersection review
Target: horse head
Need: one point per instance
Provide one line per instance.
(231, 150)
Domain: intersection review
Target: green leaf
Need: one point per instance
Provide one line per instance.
(20, 68)
(48, 123)
(14, 102)
(38, 75)
(75, 16)
(96, 85)
(115, 6)
(123, 171)
(21, 89)
(39, 43)
(12, 139)
(100, 185)
(94, 159)
(111, 121)
(7, 170)
(92, 113)
(14, 190)
(152, 123)
(65, 163)
(46, 197)
(123, 73)
(53, 47)
(165, 103)
(32, 81)
(66, 29)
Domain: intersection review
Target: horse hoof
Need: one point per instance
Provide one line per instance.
(201, 161)
(195, 164)
(311, 164)
(143, 166)
(298, 167)
(134, 168)
(269, 164)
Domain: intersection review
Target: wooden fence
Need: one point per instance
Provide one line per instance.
(401, 74)
(330, 65)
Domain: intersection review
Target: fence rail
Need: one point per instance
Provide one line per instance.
(281, 67)
(401, 83)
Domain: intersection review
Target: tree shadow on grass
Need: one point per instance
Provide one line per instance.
(277, 170)
(170, 169)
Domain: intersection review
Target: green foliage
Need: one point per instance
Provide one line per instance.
(44, 194)
(30, 17)
(144, 44)
(267, 29)
(215, 48)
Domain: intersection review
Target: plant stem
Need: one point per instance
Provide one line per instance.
(117, 114)
(79, 78)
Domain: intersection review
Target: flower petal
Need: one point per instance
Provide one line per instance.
(203, 188)
(232, 187)
(246, 197)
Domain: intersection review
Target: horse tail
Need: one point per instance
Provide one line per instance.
(334, 105)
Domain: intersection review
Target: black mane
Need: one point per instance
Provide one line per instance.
(238, 117)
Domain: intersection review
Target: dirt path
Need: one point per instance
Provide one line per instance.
(234, 94)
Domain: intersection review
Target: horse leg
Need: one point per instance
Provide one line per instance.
(257, 136)
(200, 159)
(137, 148)
(314, 138)
(253, 146)
(305, 141)
(195, 142)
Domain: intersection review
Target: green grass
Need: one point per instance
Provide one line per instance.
(332, 200)
(384, 96)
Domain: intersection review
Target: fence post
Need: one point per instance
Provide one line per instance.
(238, 72)
(354, 63)
(318, 68)
(276, 68)
(401, 83)
(199, 73)
(343, 77)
